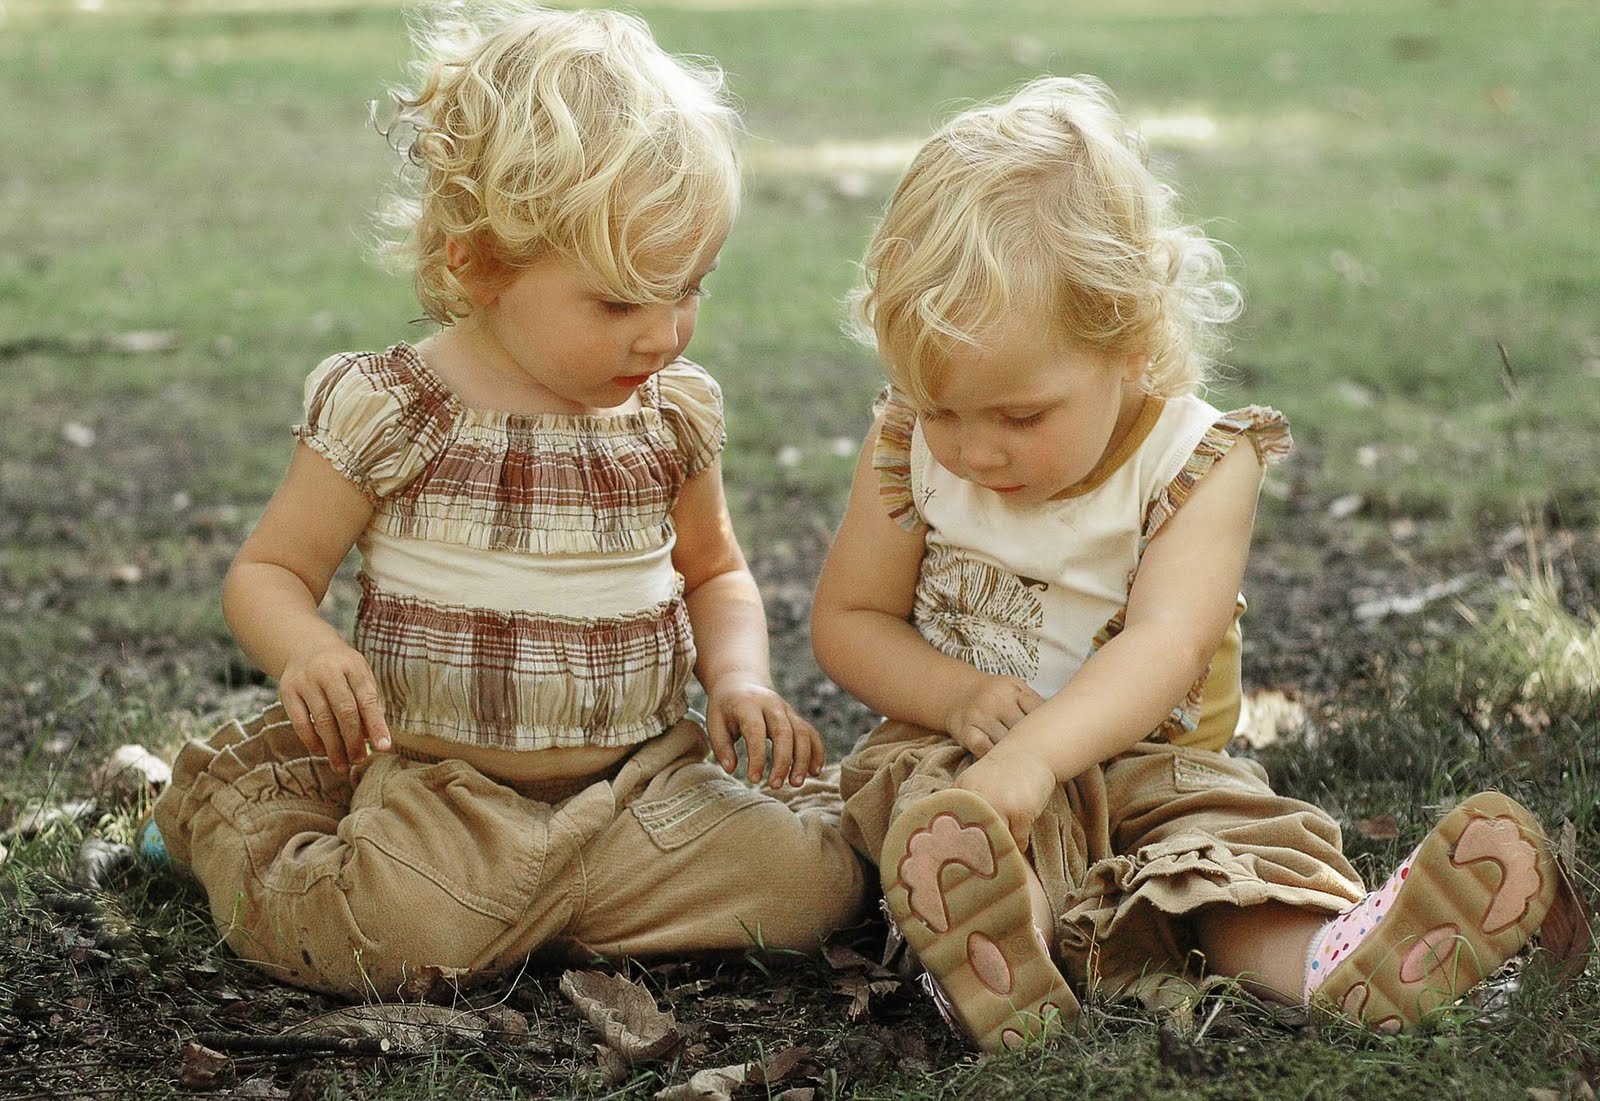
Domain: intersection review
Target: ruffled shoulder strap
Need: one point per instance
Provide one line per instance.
(1265, 428)
(378, 417)
(891, 460)
(691, 404)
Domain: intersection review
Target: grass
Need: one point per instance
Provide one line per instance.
(1408, 187)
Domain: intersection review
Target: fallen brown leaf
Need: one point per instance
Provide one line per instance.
(203, 1068)
(716, 1084)
(624, 1014)
(407, 1026)
(1568, 930)
(97, 859)
(775, 1068)
(842, 958)
(131, 768)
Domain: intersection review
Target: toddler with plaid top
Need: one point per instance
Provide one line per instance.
(503, 761)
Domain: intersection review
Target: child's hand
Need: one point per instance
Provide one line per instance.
(754, 712)
(332, 699)
(1016, 784)
(980, 717)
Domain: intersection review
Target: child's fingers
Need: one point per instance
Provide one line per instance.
(977, 742)
(327, 732)
(347, 716)
(807, 751)
(753, 729)
(780, 731)
(721, 742)
(300, 719)
(370, 706)
(1028, 699)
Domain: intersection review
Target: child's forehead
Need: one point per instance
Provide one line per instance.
(678, 266)
(1016, 364)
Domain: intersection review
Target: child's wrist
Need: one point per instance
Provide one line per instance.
(1016, 755)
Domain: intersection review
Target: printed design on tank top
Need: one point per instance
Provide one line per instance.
(979, 613)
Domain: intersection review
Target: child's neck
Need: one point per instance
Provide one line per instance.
(472, 368)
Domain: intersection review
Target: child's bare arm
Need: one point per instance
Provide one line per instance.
(270, 599)
(864, 640)
(730, 631)
(1182, 601)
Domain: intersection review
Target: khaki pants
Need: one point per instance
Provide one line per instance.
(1130, 849)
(408, 877)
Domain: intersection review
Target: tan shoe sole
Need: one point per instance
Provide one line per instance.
(1480, 886)
(958, 890)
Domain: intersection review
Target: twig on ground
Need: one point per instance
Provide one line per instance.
(297, 1043)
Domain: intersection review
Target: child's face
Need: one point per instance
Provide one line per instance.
(1031, 415)
(552, 329)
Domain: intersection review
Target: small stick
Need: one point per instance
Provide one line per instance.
(294, 1043)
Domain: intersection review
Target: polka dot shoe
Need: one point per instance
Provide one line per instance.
(1457, 908)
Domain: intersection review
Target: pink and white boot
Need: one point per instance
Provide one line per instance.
(1466, 900)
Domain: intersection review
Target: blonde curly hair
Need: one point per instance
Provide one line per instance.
(1045, 206)
(533, 133)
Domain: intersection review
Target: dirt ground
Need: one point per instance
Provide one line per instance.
(104, 992)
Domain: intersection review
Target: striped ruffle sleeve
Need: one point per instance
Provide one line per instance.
(371, 416)
(1265, 428)
(891, 460)
(691, 403)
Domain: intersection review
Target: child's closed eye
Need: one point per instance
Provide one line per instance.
(1024, 420)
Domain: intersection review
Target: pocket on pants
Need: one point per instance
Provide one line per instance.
(678, 819)
(447, 832)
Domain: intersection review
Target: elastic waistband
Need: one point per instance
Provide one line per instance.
(540, 791)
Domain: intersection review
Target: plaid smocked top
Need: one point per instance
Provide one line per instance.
(517, 582)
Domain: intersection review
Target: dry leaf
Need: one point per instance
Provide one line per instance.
(624, 1014)
(203, 1068)
(97, 859)
(841, 958)
(132, 767)
(407, 1026)
(861, 990)
(717, 1084)
(504, 1021)
(36, 817)
(1568, 930)
(1380, 827)
(1267, 715)
(777, 1067)
(613, 1067)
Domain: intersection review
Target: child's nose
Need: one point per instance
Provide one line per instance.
(980, 452)
(664, 329)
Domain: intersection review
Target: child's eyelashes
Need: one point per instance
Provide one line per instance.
(620, 308)
(1010, 420)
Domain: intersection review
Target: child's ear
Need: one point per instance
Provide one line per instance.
(1135, 366)
(478, 273)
